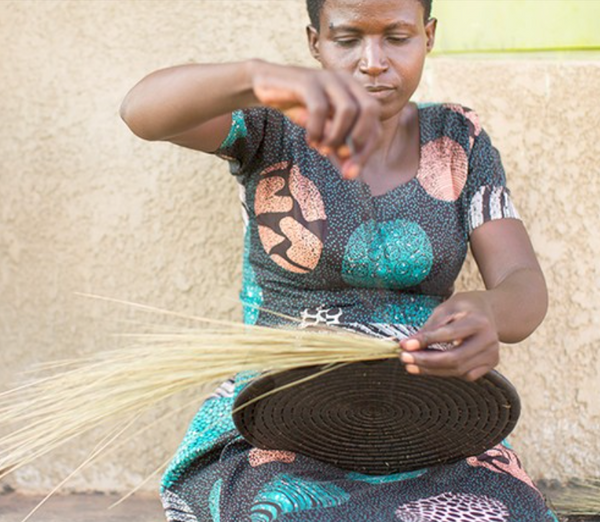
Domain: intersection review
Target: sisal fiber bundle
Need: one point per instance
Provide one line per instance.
(579, 498)
(83, 395)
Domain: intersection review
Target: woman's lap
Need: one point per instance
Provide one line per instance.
(235, 482)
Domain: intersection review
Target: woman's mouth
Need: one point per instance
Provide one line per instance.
(380, 91)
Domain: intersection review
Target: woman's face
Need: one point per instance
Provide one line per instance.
(382, 43)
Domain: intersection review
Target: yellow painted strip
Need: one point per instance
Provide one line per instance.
(516, 25)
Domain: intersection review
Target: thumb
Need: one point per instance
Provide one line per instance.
(431, 329)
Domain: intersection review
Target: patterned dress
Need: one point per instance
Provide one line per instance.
(325, 251)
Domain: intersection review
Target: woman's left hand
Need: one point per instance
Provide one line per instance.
(467, 321)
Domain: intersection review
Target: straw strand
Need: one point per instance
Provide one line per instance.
(158, 365)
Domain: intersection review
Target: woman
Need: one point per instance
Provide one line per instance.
(360, 206)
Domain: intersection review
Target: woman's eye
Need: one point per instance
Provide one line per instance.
(347, 42)
(397, 40)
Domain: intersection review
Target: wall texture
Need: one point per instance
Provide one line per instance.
(87, 207)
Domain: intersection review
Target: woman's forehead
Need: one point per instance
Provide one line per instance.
(335, 12)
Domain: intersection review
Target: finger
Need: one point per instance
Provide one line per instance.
(470, 376)
(349, 169)
(367, 127)
(446, 359)
(457, 361)
(364, 136)
(443, 314)
(346, 150)
(440, 316)
(345, 111)
(480, 364)
(459, 329)
(318, 109)
(343, 158)
(309, 110)
(354, 165)
(411, 344)
(285, 101)
(477, 373)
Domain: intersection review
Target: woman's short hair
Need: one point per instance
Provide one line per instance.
(315, 7)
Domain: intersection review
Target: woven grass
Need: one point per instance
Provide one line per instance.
(70, 398)
(579, 498)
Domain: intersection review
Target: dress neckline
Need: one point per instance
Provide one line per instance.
(407, 184)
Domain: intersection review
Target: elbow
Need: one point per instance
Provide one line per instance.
(543, 311)
(533, 315)
(540, 309)
(134, 119)
(527, 328)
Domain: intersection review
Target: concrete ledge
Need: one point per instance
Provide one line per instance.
(82, 508)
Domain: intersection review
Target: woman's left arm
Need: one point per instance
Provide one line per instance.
(509, 310)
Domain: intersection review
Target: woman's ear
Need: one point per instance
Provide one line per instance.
(313, 42)
(430, 28)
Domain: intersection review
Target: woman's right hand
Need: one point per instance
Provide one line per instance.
(341, 119)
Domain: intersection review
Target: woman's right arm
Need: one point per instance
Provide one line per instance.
(191, 105)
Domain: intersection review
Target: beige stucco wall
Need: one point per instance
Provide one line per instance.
(87, 207)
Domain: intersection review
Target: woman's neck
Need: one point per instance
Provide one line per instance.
(396, 160)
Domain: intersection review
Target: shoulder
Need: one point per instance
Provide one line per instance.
(450, 120)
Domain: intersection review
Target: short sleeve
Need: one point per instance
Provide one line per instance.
(255, 134)
(488, 197)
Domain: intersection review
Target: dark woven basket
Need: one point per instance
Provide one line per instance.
(375, 418)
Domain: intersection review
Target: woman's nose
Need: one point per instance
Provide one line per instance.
(373, 61)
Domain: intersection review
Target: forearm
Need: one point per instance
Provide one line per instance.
(174, 100)
(518, 304)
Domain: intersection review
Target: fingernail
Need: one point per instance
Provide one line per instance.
(344, 152)
(407, 358)
(411, 368)
(412, 344)
(351, 172)
(326, 151)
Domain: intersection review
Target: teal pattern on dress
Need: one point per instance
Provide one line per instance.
(238, 129)
(289, 494)
(212, 421)
(413, 310)
(214, 500)
(386, 479)
(251, 295)
(391, 254)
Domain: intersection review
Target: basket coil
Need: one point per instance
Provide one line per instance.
(375, 418)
